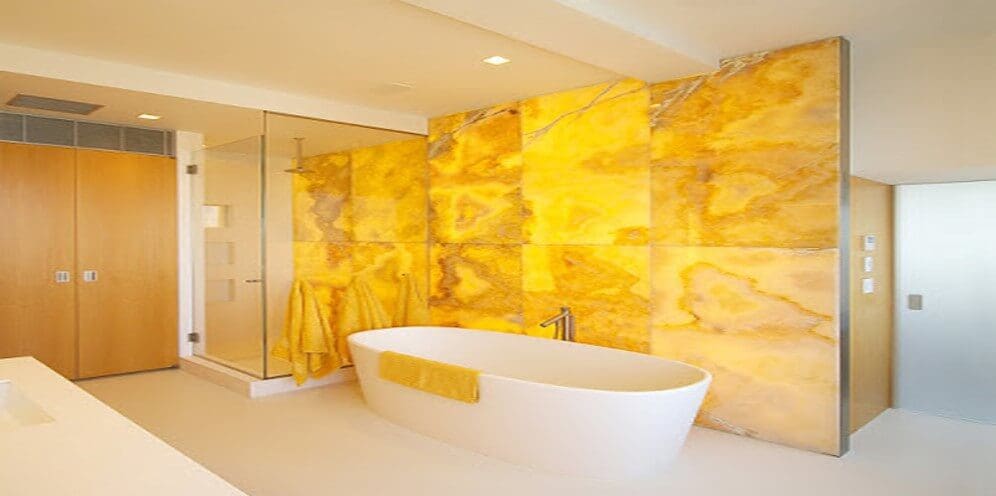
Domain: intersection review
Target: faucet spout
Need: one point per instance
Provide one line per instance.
(565, 324)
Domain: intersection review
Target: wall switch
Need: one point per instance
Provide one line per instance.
(868, 242)
(868, 264)
(915, 302)
(868, 285)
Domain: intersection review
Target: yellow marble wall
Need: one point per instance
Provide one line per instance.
(745, 180)
(694, 219)
(763, 321)
(321, 199)
(475, 167)
(477, 286)
(749, 155)
(586, 178)
(607, 288)
(389, 190)
(363, 213)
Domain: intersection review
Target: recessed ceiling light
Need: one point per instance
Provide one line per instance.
(403, 84)
(150, 117)
(496, 60)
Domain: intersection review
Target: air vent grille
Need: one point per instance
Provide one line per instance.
(143, 140)
(93, 135)
(11, 127)
(49, 131)
(53, 104)
(63, 132)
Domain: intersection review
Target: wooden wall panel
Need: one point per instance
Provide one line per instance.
(127, 232)
(871, 314)
(37, 315)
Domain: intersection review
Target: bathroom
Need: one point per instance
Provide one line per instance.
(750, 241)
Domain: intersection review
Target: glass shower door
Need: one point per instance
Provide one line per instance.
(228, 251)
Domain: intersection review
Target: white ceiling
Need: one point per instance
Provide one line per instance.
(218, 123)
(723, 28)
(348, 50)
(321, 137)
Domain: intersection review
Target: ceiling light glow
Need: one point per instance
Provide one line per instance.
(496, 60)
(150, 117)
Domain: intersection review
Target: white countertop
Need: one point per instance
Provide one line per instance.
(87, 448)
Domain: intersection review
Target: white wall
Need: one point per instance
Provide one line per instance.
(187, 144)
(923, 108)
(945, 360)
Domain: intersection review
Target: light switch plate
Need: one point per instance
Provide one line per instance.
(868, 242)
(868, 285)
(869, 264)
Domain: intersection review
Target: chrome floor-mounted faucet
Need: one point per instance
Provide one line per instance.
(565, 324)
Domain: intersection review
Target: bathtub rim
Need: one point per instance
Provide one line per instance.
(705, 381)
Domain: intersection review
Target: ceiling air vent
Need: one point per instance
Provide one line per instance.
(25, 128)
(53, 104)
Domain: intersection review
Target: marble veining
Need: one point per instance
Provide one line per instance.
(321, 199)
(476, 286)
(389, 192)
(475, 167)
(749, 155)
(762, 320)
(586, 166)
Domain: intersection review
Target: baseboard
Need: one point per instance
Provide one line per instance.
(253, 387)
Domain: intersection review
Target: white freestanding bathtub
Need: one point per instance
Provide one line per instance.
(559, 406)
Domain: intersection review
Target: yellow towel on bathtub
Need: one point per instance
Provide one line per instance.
(443, 379)
(411, 308)
(361, 311)
(307, 343)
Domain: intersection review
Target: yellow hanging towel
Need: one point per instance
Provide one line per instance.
(308, 342)
(411, 308)
(361, 311)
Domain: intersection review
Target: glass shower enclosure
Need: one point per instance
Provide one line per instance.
(243, 197)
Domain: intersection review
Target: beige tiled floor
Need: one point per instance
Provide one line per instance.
(325, 441)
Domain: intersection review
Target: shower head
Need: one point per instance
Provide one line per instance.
(299, 169)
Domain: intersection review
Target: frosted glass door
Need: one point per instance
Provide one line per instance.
(229, 278)
(946, 263)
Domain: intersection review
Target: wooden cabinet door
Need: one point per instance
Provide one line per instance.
(126, 224)
(37, 314)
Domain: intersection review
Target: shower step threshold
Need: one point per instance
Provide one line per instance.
(254, 387)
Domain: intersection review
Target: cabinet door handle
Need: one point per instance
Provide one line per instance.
(253, 280)
(90, 275)
(63, 276)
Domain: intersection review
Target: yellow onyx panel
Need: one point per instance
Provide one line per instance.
(763, 322)
(476, 286)
(750, 155)
(586, 165)
(321, 199)
(607, 288)
(389, 192)
(475, 165)
(384, 264)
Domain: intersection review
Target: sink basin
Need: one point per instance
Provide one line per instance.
(17, 410)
